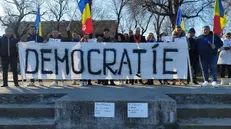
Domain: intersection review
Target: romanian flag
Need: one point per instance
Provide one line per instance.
(179, 19)
(84, 7)
(219, 18)
(38, 24)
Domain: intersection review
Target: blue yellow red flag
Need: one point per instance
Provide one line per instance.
(84, 7)
(220, 19)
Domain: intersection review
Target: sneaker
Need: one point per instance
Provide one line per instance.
(214, 84)
(85, 83)
(41, 84)
(206, 83)
(81, 83)
(31, 84)
(230, 81)
(4, 86)
(222, 81)
(54, 83)
(65, 84)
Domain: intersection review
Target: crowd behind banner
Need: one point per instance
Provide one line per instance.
(203, 50)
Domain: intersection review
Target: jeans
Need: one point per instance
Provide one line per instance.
(12, 61)
(209, 63)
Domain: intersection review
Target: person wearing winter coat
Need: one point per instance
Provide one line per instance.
(193, 54)
(224, 61)
(55, 36)
(178, 33)
(9, 56)
(137, 38)
(38, 39)
(207, 45)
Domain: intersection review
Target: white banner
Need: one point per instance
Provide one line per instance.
(59, 60)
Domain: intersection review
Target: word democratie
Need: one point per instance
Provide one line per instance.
(114, 60)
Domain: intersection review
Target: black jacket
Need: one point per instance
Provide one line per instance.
(35, 38)
(203, 45)
(8, 46)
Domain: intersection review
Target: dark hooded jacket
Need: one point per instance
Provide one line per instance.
(35, 38)
(8, 46)
(203, 45)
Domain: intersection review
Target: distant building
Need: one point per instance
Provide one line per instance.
(49, 26)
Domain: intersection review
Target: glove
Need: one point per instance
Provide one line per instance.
(226, 48)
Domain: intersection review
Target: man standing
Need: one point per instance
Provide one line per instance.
(9, 55)
(193, 54)
(207, 44)
(38, 39)
(107, 38)
(137, 38)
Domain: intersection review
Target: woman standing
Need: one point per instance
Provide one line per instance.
(150, 39)
(225, 61)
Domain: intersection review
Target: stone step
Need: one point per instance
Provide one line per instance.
(29, 98)
(204, 110)
(203, 98)
(27, 110)
(26, 123)
(205, 123)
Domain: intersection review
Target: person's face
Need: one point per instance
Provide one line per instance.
(137, 31)
(74, 35)
(191, 34)
(106, 34)
(206, 31)
(178, 30)
(150, 37)
(119, 38)
(55, 34)
(126, 36)
(32, 31)
(130, 32)
(9, 33)
(228, 37)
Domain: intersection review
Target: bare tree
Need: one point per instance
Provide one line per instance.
(118, 6)
(58, 8)
(169, 8)
(15, 12)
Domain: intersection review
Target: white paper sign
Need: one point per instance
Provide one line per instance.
(137, 110)
(227, 43)
(167, 38)
(54, 40)
(104, 109)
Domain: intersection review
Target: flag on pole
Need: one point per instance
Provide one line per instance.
(38, 24)
(219, 18)
(179, 19)
(84, 7)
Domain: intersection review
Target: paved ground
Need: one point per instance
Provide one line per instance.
(60, 89)
(161, 89)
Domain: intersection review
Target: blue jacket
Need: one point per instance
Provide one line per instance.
(203, 45)
(8, 46)
(34, 38)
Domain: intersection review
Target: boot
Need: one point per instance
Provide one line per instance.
(222, 81)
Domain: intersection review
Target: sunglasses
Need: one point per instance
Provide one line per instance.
(228, 36)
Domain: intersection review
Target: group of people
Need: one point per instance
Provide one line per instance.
(202, 50)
